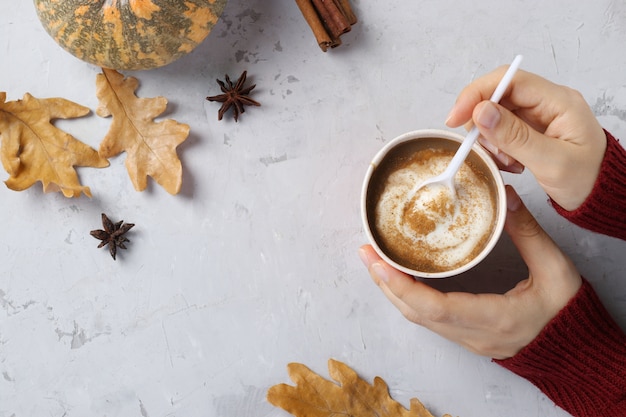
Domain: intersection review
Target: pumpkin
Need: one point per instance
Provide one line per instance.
(129, 34)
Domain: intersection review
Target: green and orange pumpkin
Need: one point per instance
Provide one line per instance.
(129, 34)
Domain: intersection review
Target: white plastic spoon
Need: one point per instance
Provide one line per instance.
(447, 176)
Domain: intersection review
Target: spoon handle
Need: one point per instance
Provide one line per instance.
(471, 137)
(461, 154)
(506, 79)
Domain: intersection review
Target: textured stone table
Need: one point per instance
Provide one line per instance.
(254, 264)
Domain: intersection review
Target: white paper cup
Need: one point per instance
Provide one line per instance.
(449, 140)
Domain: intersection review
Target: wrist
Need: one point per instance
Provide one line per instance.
(602, 210)
(578, 357)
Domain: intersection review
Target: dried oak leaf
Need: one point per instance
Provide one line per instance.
(314, 396)
(33, 149)
(150, 146)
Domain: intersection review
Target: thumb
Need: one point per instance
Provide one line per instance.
(543, 257)
(511, 135)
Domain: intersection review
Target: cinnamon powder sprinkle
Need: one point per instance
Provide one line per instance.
(424, 218)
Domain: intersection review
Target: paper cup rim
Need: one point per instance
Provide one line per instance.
(500, 206)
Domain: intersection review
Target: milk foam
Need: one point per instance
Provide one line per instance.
(445, 232)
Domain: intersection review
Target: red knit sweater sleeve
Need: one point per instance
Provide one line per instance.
(579, 359)
(604, 209)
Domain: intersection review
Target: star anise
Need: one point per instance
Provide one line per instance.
(113, 234)
(234, 96)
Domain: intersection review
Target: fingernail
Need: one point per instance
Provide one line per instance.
(504, 159)
(380, 272)
(515, 168)
(363, 256)
(513, 201)
(489, 116)
(452, 111)
(488, 145)
(510, 164)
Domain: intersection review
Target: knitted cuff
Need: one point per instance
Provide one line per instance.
(579, 359)
(603, 210)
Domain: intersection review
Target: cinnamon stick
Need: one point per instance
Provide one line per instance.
(315, 23)
(333, 17)
(328, 19)
(345, 7)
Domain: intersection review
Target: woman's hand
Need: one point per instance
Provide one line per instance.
(491, 325)
(546, 127)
